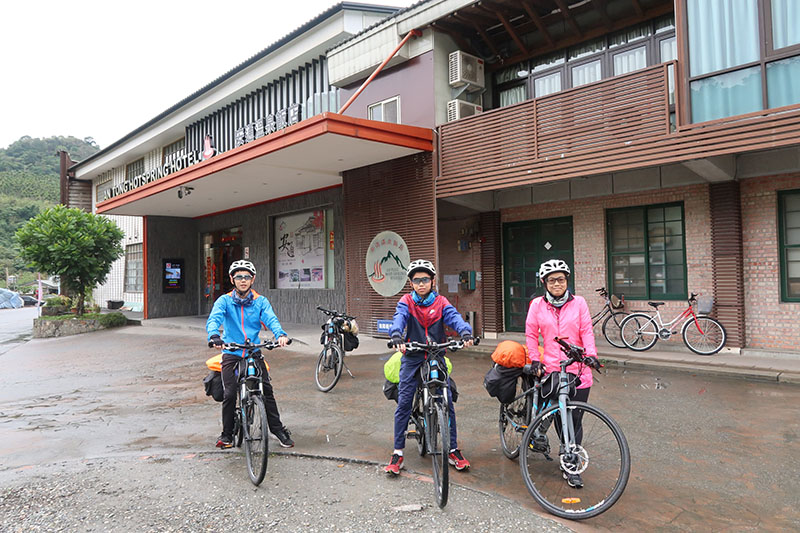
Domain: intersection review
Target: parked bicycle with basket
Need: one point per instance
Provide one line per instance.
(339, 335)
(568, 438)
(701, 333)
(430, 414)
(613, 317)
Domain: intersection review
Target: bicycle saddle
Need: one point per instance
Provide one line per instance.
(655, 304)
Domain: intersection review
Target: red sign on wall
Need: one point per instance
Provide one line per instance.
(331, 241)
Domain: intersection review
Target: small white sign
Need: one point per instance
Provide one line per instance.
(547, 245)
(247, 252)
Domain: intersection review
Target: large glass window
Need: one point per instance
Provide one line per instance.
(587, 73)
(547, 84)
(386, 111)
(514, 95)
(783, 82)
(134, 269)
(785, 23)
(722, 34)
(646, 250)
(630, 60)
(134, 169)
(734, 93)
(789, 224)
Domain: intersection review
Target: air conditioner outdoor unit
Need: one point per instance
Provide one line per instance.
(457, 109)
(465, 69)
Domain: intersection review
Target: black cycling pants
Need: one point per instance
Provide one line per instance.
(229, 384)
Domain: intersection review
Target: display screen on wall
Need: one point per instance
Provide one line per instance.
(300, 241)
(172, 275)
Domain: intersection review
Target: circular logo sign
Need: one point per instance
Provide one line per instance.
(387, 260)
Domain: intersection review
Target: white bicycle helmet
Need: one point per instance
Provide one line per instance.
(421, 264)
(553, 265)
(242, 265)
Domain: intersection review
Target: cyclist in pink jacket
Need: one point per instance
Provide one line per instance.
(559, 313)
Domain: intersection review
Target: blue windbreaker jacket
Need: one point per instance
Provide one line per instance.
(242, 322)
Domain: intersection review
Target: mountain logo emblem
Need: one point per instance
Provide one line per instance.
(377, 275)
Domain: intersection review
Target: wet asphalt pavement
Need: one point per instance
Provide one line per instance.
(708, 453)
(16, 326)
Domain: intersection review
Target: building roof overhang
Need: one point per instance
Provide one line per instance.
(305, 157)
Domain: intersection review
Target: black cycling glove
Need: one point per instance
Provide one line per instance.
(535, 368)
(215, 341)
(593, 362)
(397, 340)
(466, 337)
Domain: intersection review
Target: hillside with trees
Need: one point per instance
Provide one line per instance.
(29, 174)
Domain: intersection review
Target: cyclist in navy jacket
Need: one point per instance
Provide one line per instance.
(422, 314)
(241, 313)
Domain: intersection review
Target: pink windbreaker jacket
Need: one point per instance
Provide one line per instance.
(572, 320)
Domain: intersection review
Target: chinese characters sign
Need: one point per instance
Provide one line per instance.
(269, 124)
(387, 260)
(300, 250)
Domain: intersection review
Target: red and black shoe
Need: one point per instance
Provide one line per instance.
(456, 458)
(224, 442)
(394, 465)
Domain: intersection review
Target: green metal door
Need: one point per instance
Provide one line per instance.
(526, 245)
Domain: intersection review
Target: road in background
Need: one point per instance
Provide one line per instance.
(16, 326)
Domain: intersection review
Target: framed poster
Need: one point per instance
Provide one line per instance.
(172, 275)
(300, 243)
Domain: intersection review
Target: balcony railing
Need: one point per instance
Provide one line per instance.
(609, 126)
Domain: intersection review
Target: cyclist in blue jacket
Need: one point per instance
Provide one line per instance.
(421, 314)
(241, 313)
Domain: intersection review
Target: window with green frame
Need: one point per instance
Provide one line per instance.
(789, 243)
(647, 252)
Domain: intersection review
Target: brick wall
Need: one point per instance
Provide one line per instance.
(452, 261)
(589, 233)
(770, 324)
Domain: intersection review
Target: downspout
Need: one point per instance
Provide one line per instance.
(412, 33)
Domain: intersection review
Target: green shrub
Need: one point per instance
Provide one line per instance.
(112, 320)
(55, 301)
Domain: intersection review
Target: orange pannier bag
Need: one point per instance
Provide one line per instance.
(510, 354)
(215, 363)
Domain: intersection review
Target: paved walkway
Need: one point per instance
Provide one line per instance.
(672, 355)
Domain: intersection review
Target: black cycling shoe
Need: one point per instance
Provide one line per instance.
(573, 480)
(284, 436)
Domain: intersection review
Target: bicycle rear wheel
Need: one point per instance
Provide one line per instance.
(612, 328)
(706, 336)
(256, 439)
(329, 367)
(440, 448)
(639, 332)
(514, 418)
(602, 459)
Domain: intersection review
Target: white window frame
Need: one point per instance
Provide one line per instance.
(382, 103)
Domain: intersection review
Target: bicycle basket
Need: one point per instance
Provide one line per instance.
(704, 305)
(616, 303)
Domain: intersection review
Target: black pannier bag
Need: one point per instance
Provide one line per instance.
(213, 385)
(350, 342)
(501, 382)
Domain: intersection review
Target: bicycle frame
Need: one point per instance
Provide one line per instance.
(686, 315)
(607, 308)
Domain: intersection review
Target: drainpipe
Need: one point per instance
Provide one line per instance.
(412, 33)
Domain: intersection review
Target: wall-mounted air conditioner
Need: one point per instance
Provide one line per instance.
(465, 69)
(457, 109)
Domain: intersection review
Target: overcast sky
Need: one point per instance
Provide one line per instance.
(102, 68)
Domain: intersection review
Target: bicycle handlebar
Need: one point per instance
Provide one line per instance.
(335, 313)
(269, 345)
(452, 344)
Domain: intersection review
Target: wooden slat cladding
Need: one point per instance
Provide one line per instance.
(727, 259)
(396, 196)
(615, 111)
(492, 272)
(531, 143)
(79, 194)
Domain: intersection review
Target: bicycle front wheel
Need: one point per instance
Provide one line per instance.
(514, 418)
(329, 367)
(256, 441)
(440, 448)
(639, 332)
(600, 458)
(612, 328)
(704, 336)
(419, 423)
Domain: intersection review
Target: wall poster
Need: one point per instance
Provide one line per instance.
(300, 242)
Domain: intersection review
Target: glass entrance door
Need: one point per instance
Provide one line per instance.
(526, 245)
(220, 249)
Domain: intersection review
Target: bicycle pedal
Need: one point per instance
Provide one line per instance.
(411, 434)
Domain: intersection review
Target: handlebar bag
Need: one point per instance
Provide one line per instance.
(550, 385)
(212, 383)
(501, 382)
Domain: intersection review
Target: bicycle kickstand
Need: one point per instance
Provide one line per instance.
(348, 370)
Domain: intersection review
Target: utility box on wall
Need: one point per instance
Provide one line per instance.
(466, 280)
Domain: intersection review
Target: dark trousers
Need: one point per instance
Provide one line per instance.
(581, 395)
(230, 385)
(409, 368)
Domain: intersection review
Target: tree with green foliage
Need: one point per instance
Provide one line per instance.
(76, 245)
